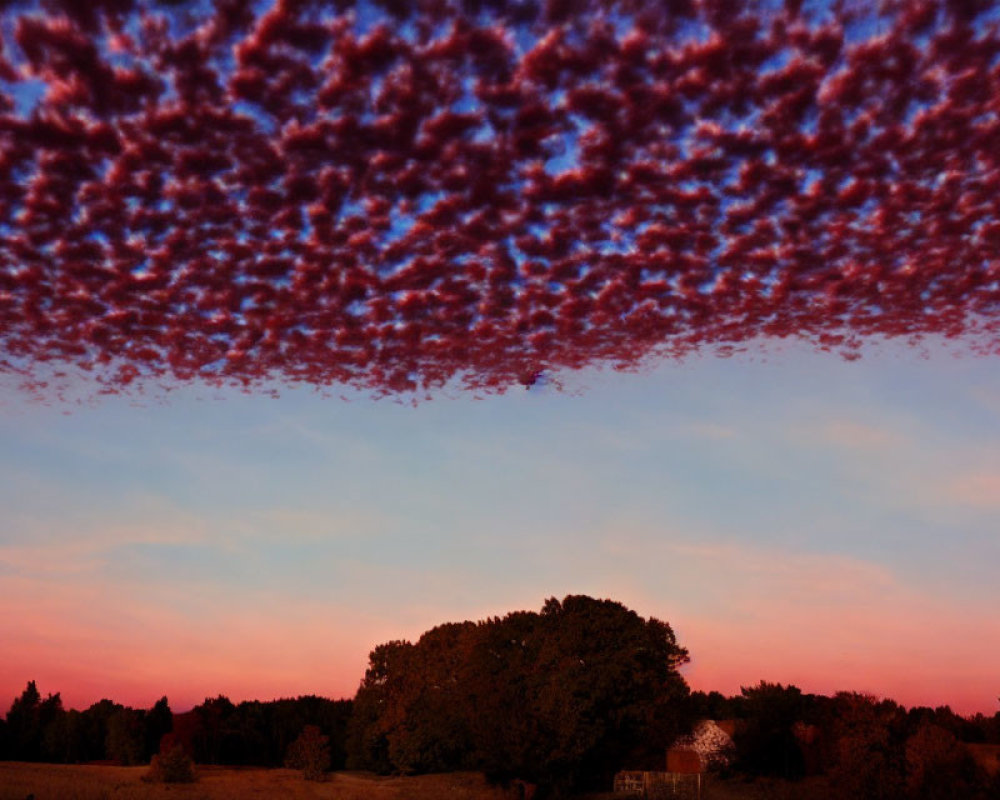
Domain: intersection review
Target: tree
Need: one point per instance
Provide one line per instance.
(429, 730)
(24, 727)
(215, 717)
(938, 767)
(375, 708)
(310, 753)
(870, 761)
(125, 737)
(95, 722)
(585, 680)
(767, 743)
(555, 698)
(158, 722)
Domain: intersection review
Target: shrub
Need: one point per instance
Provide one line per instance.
(310, 753)
(171, 765)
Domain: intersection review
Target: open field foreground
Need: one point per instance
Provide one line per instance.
(75, 782)
(78, 782)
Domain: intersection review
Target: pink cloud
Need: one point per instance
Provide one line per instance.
(260, 194)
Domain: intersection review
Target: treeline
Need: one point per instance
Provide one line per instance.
(867, 746)
(215, 732)
(561, 698)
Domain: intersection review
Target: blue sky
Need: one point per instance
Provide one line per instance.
(793, 515)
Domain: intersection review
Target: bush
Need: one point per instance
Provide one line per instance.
(171, 765)
(310, 753)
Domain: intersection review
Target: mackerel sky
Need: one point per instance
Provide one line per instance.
(324, 322)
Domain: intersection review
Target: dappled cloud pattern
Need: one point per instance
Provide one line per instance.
(396, 195)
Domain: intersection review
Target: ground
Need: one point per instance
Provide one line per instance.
(71, 782)
(19, 781)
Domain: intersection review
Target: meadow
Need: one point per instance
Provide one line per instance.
(19, 781)
(84, 782)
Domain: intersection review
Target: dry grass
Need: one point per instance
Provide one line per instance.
(72, 782)
(768, 789)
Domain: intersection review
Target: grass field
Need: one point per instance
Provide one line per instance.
(18, 781)
(72, 782)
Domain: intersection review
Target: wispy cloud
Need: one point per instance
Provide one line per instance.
(975, 489)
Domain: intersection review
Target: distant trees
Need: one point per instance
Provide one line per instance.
(254, 732)
(868, 762)
(555, 698)
(24, 727)
(937, 766)
(29, 720)
(766, 743)
(215, 732)
(560, 699)
(42, 730)
(126, 737)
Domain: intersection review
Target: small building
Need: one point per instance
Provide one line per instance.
(706, 748)
(660, 785)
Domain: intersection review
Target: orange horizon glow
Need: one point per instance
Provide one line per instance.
(132, 682)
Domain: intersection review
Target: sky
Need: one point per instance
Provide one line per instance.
(795, 516)
(322, 323)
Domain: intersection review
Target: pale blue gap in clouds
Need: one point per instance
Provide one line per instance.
(463, 507)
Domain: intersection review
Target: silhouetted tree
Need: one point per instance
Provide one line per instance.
(870, 761)
(76, 744)
(95, 724)
(589, 674)
(375, 708)
(715, 705)
(553, 698)
(24, 725)
(428, 730)
(766, 743)
(125, 738)
(157, 722)
(938, 767)
(214, 717)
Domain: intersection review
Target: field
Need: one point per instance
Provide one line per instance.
(74, 782)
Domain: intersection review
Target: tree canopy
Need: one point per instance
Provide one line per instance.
(557, 697)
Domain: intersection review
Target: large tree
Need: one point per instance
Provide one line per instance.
(555, 698)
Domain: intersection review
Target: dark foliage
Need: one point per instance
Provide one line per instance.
(766, 744)
(310, 753)
(215, 732)
(157, 722)
(259, 733)
(557, 698)
(171, 765)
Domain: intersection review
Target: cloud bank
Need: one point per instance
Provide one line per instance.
(394, 196)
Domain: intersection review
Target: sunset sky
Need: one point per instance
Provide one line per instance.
(308, 311)
(798, 518)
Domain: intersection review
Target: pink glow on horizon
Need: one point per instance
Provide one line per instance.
(724, 658)
(824, 623)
